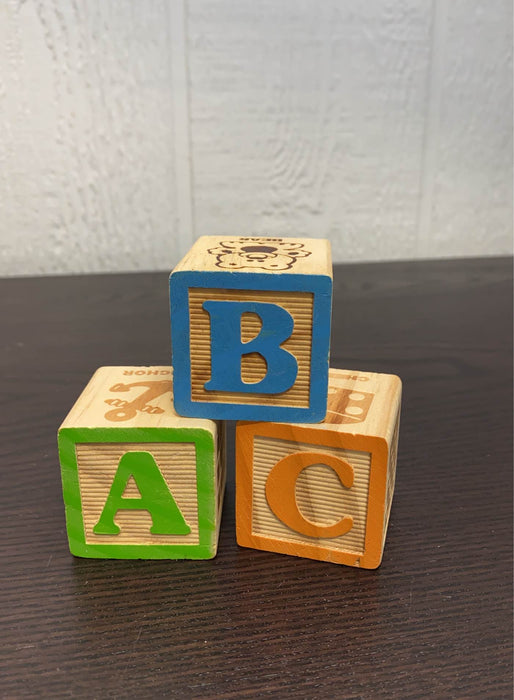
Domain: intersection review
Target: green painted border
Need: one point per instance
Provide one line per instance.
(206, 485)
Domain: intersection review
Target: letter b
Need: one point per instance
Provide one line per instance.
(250, 329)
(227, 348)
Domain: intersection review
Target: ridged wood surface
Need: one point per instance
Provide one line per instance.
(391, 472)
(221, 473)
(434, 621)
(97, 465)
(253, 368)
(319, 494)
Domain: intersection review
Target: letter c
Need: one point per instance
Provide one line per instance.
(281, 496)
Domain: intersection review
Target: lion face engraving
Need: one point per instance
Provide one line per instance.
(258, 253)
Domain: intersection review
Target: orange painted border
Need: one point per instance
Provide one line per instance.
(374, 539)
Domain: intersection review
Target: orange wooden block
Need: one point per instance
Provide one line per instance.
(323, 491)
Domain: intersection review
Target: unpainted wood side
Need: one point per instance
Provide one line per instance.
(365, 403)
(391, 473)
(221, 474)
(304, 256)
(130, 397)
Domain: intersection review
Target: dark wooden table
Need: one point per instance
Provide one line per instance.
(433, 621)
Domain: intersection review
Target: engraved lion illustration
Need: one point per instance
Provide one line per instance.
(258, 253)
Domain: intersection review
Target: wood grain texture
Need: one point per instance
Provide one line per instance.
(434, 620)
(319, 494)
(295, 105)
(128, 131)
(262, 254)
(472, 167)
(87, 155)
(221, 482)
(97, 465)
(368, 401)
(125, 410)
(266, 292)
(385, 127)
(131, 397)
(341, 516)
(253, 366)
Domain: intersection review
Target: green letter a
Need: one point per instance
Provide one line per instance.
(155, 497)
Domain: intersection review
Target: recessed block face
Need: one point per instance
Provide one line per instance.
(250, 324)
(139, 481)
(98, 467)
(323, 491)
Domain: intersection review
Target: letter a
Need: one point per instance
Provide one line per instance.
(227, 347)
(155, 497)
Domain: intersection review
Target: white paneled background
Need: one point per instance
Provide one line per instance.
(127, 129)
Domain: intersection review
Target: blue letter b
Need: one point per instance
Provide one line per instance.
(227, 347)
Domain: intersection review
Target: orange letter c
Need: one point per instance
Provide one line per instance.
(281, 497)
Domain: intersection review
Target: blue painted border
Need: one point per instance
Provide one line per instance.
(321, 288)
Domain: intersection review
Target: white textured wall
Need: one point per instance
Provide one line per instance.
(129, 128)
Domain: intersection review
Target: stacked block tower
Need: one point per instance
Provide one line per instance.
(143, 450)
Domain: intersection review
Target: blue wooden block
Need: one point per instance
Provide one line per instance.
(250, 324)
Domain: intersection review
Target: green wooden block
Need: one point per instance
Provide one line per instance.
(139, 481)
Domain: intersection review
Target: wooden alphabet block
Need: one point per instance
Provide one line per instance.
(323, 491)
(250, 324)
(139, 481)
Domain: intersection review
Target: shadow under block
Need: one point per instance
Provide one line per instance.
(250, 326)
(324, 491)
(139, 481)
